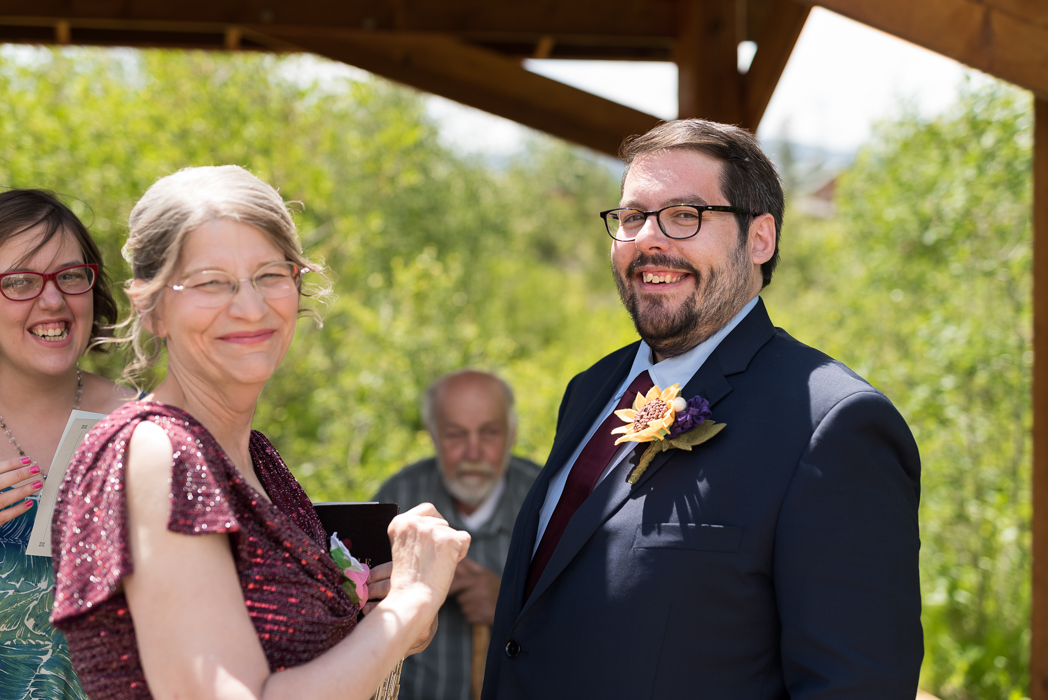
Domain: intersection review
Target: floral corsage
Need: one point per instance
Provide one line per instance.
(667, 421)
(355, 571)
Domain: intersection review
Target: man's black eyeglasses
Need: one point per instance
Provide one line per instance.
(676, 221)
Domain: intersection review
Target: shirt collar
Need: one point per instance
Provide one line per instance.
(680, 369)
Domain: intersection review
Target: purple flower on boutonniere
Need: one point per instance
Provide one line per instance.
(667, 421)
(696, 412)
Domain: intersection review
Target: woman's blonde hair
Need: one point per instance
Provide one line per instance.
(177, 205)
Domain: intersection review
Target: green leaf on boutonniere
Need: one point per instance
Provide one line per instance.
(684, 441)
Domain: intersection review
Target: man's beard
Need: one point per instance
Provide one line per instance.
(718, 296)
(471, 490)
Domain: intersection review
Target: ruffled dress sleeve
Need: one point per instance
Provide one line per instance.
(90, 519)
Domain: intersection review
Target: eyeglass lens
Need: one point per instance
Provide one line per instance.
(213, 288)
(22, 286)
(676, 222)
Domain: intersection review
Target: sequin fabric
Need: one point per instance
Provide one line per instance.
(290, 584)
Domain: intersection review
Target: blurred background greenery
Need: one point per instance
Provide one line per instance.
(919, 278)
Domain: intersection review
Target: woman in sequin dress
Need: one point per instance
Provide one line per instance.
(178, 516)
(45, 326)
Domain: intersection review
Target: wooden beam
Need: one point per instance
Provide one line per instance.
(62, 30)
(167, 30)
(233, 35)
(1039, 615)
(622, 18)
(775, 42)
(974, 33)
(481, 79)
(544, 47)
(706, 53)
(1035, 11)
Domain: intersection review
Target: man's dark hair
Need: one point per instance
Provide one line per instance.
(21, 210)
(749, 179)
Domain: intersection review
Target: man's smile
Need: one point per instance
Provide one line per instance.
(661, 277)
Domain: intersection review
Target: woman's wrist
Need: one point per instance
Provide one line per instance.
(414, 600)
(411, 609)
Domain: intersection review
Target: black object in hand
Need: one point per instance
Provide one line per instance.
(362, 527)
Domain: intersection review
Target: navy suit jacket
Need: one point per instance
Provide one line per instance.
(776, 560)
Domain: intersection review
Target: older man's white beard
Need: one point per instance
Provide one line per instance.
(472, 482)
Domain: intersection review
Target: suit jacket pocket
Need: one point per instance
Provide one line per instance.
(694, 536)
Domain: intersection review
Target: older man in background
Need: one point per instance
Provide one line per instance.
(478, 486)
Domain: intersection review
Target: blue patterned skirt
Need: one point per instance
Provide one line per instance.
(34, 658)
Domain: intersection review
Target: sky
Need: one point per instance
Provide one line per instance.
(842, 78)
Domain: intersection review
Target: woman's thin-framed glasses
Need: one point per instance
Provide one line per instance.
(211, 289)
(676, 221)
(26, 286)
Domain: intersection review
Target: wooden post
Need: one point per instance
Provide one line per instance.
(706, 53)
(481, 640)
(1039, 616)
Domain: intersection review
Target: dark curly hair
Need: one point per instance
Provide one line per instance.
(21, 210)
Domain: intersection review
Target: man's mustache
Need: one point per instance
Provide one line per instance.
(661, 260)
(473, 469)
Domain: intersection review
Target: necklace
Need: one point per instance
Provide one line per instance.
(76, 407)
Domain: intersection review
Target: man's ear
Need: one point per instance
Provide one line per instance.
(150, 319)
(762, 239)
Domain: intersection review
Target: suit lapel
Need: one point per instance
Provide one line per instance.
(608, 497)
(732, 356)
(581, 413)
(708, 382)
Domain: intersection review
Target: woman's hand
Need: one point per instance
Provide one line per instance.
(425, 553)
(14, 471)
(378, 585)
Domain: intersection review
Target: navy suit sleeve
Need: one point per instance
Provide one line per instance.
(846, 558)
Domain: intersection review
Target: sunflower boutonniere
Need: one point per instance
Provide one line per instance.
(667, 421)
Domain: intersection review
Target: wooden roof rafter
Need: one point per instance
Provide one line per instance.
(1005, 38)
(466, 50)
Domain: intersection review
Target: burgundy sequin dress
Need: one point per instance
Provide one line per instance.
(291, 586)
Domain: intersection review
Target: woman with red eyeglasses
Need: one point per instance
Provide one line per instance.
(54, 299)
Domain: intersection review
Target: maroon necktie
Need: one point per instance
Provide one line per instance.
(582, 479)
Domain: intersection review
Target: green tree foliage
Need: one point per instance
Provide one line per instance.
(922, 285)
(438, 261)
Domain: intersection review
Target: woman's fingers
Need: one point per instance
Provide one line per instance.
(11, 501)
(9, 514)
(380, 572)
(425, 550)
(17, 471)
(13, 471)
(378, 584)
(422, 510)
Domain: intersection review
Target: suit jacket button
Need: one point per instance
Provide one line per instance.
(512, 649)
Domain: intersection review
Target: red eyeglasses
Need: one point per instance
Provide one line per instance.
(72, 280)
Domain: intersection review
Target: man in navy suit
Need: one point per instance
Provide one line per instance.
(777, 559)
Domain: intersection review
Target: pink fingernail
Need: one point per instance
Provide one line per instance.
(35, 469)
(37, 485)
(26, 460)
(28, 504)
